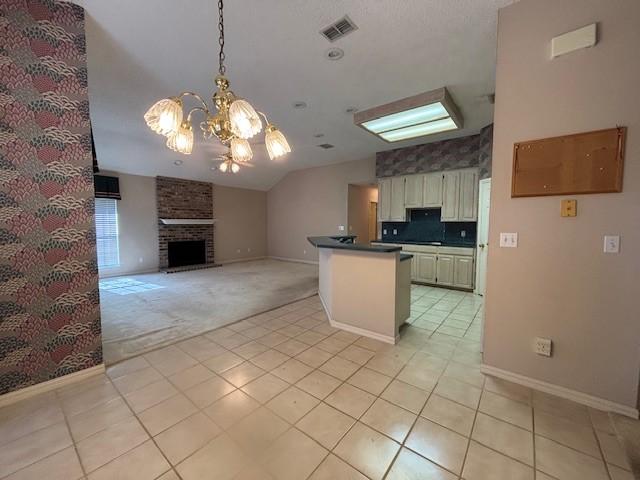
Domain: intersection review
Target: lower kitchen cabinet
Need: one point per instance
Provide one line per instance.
(463, 272)
(444, 270)
(426, 267)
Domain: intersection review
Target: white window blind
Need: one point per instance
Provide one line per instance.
(107, 232)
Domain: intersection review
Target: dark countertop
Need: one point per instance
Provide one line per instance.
(345, 242)
(445, 243)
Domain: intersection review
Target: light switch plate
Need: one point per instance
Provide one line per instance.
(341, 228)
(612, 244)
(568, 208)
(508, 240)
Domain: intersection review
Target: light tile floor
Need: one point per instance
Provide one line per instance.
(285, 396)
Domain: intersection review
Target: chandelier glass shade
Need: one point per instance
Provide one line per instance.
(181, 140)
(276, 143)
(165, 116)
(232, 121)
(241, 150)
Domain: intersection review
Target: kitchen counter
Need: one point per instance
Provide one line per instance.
(364, 289)
(445, 243)
(346, 243)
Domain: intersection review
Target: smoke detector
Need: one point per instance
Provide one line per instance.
(299, 104)
(338, 29)
(178, 162)
(334, 54)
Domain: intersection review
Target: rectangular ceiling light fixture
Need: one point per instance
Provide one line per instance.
(424, 114)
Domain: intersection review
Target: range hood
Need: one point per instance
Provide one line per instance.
(188, 221)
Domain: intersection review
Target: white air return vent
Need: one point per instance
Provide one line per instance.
(338, 29)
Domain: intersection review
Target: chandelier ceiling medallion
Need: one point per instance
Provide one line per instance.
(234, 121)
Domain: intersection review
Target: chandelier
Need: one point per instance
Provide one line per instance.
(233, 122)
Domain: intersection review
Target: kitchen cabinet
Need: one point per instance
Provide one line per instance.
(426, 264)
(460, 195)
(468, 204)
(384, 199)
(432, 190)
(444, 270)
(413, 191)
(463, 272)
(450, 196)
(397, 209)
(441, 265)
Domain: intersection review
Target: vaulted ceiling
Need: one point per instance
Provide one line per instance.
(145, 50)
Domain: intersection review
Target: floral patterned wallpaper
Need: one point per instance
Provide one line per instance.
(462, 152)
(49, 303)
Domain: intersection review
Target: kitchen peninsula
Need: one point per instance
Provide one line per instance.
(365, 289)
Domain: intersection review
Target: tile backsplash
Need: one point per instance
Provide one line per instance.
(424, 225)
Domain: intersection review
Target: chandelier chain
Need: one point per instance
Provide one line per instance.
(221, 56)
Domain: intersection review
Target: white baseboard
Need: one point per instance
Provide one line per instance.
(363, 332)
(574, 395)
(65, 380)
(238, 260)
(296, 260)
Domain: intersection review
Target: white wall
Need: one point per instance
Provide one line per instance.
(558, 283)
(137, 224)
(241, 223)
(310, 202)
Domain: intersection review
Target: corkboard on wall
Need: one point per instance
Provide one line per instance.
(590, 162)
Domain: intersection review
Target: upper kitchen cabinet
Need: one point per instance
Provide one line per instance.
(391, 199)
(460, 195)
(450, 196)
(413, 191)
(432, 190)
(398, 210)
(384, 199)
(468, 206)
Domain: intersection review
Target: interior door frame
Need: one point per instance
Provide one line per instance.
(482, 183)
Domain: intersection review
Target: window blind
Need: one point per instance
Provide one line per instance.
(107, 232)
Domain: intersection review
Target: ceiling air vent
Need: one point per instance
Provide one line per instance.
(326, 146)
(338, 29)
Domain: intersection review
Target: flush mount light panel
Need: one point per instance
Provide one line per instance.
(424, 114)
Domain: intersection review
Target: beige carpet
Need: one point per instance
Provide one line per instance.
(143, 312)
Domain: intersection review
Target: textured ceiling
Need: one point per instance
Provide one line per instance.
(144, 50)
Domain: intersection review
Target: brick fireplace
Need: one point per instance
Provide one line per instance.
(184, 199)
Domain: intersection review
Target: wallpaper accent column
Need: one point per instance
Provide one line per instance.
(49, 302)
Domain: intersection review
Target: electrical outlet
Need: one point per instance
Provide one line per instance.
(463, 233)
(384, 231)
(612, 244)
(542, 346)
(341, 228)
(248, 249)
(395, 232)
(238, 250)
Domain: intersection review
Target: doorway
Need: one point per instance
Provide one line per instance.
(482, 248)
(362, 216)
(373, 221)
